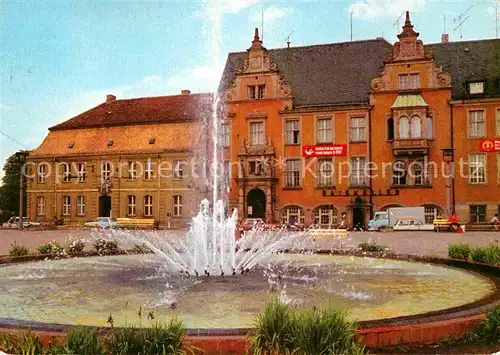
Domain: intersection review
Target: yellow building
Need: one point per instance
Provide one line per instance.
(123, 158)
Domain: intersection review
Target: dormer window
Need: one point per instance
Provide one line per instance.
(151, 141)
(71, 145)
(110, 142)
(409, 81)
(256, 92)
(476, 87)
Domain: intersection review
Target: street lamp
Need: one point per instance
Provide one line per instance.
(448, 159)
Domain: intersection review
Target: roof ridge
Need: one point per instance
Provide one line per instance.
(378, 39)
(468, 41)
(165, 96)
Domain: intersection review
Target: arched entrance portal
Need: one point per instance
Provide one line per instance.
(105, 206)
(256, 202)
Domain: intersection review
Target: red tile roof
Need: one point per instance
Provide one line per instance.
(162, 109)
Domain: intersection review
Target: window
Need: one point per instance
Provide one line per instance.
(358, 129)
(256, 92)
(325, 216)
(477, 169)
(429, 131)
(357, 175)
(227, 174)
(256, 167)
(66, 172)
(80, 206)
(42, 172)
(80, 174)
(476, 88)
(226, 135)
(498, 168)
(293, 173)
(257, 133)
(179, 169)
(431, 213)
(325, 172)
(293, 215)
(324, 130)
(477, 213)
(476, 124)
(148, 205)
(292, 132)
(399, 173)
(66, 205)
(40, 206)
(132, 170)
(404, 127)
(105, 170)
(409, 81)
(148, 171)
(497, 123)
(131, 205)
(416, 127)
(390, 129)
(177, 205)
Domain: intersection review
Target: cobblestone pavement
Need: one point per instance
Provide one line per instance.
(422, 243)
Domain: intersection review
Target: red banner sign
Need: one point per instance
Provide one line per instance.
(490, 145)
(331, 150)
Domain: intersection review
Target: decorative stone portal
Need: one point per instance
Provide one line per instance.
(358, 214)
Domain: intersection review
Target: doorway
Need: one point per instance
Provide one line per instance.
(256, 201)
(105, 206)
(358, 221)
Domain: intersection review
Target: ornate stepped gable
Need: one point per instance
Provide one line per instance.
(410, 49)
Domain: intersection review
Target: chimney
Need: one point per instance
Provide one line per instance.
(185, 92)
(110, 98)
(445, 38)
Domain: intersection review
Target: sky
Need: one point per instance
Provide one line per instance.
(61, 58)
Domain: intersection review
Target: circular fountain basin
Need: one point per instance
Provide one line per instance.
(86, 291)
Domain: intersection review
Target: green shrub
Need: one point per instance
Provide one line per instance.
(492, 255)
(324, 332)
(273, 332)
(74, 246)
(283, 330)
(84, 341)
(372, 247)
(25, 343)
(17, 250)
(478, 255)
(51, 248)
(105, 247)
(488, 330)
(163, 339)
(459, 251)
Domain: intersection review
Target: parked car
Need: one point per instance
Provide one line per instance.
(251, 223)
(380, 220)
(412, 224)
(13, 222)
(102, 222)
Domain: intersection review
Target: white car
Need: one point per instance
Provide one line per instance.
(412, 224)
(103, 222)
(14, 223)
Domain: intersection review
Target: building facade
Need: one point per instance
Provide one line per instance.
(123, 158)
(328, 134)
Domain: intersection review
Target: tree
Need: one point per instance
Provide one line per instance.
(9, 191)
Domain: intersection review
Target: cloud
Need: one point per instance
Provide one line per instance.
(372, 9)
(5, 108)
(271, 14)
(234, 6)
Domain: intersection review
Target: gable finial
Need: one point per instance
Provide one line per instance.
(256, 36)
(407, 21)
